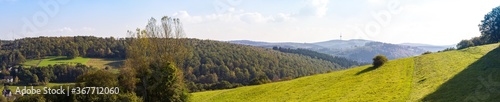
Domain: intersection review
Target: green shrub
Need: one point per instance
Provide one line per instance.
(448, 49)
(261, 79)
(427, 52)
(464, 44)
(128, 97)
(379, 60)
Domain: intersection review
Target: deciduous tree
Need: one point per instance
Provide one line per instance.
(379, 60)
(465, 44)
(153, 55)
(490, 26)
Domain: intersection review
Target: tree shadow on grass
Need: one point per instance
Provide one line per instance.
(116, 64)
(113, 59)
(366, 70)
(479, 82)
(61, 59)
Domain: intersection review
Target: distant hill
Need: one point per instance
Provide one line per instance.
(342, 44)
(355, 49)
(427, 47)
(366, 52)
(248, 42)
(281, 44)
(471, 74)
(344, 62)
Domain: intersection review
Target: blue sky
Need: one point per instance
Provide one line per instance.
(438, 22)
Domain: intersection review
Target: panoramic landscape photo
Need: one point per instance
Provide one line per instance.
(250, 50)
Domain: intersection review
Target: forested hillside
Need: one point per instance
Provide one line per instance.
(17, 51)
(356, 49)
(344, 62)
(392, 51)
(210, 65)
(43, 75)
(216, 65)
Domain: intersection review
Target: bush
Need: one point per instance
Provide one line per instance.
(223, 85)
(448, 49)
(128, 97)
(379, 60)
(261, 79)
(427, 52)
(464, 44)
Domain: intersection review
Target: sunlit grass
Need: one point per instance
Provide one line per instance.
(52, 60)
(389, 82)
(101, 63)
(407, 79)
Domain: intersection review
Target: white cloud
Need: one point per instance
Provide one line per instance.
(88, 29)
(226, 17)
(253, 18)
(281, 17)
(425, 21)
(234, 16)
(184, 15)
(315, 8)
(66, 29)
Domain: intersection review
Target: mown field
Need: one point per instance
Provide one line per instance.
(96, 62)
(51, 60)
(471, 74)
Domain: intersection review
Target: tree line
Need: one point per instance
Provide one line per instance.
(489, 28)
(43, 75)
(344, 62)
(15, 52)
(209, 65)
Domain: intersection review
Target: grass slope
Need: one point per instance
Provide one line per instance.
(96, 62)
(472, 74)
(52, 60)
(106, 62)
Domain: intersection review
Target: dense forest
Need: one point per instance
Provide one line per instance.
(15, 52)
(214, 64)
(43, 75)
(344, 62)
(211, 65)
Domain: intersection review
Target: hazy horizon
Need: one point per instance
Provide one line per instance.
(442, 22)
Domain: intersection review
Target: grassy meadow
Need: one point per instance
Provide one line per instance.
(471, 74)
(114, 64)
(52, 60)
